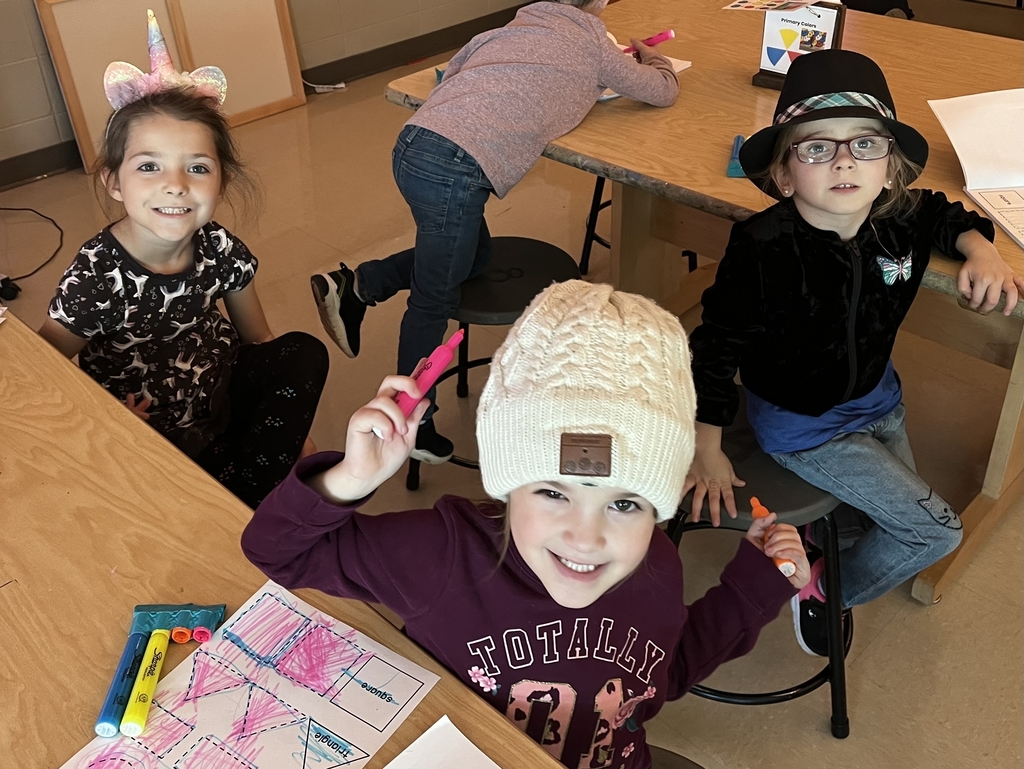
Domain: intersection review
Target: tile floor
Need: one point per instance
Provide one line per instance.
(936, 687)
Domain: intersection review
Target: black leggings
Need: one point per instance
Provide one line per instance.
(274, 391)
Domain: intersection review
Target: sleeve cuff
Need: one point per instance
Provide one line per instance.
(295, 494)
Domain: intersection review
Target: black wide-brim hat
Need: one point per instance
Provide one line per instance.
(829, 84)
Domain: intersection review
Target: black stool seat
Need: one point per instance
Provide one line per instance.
(520, 268)
(794, 501)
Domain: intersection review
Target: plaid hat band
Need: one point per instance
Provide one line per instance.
(830, 100)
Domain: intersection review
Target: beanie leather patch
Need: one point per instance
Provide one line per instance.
(585, 454)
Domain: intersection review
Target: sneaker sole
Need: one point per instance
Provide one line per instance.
(794, 604)
(427, 458)
(329, 306)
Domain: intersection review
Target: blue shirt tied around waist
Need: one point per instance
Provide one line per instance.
(780, 431)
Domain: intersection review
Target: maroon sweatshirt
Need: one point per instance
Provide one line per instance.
(581, 682)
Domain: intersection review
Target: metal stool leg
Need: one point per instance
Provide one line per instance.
(834, 620)
(591, 234)
(412, 477)
(462, 388)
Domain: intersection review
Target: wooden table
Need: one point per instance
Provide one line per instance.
(99, 513)
(668, 168)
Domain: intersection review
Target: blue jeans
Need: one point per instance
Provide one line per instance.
(873, 470)
(446, 191)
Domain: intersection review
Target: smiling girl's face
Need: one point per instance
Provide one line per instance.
(580, 541)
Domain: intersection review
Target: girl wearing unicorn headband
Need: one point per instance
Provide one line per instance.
(806, 304)
(138, 304)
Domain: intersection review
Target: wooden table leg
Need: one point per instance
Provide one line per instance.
(640, 263)
(1003, 485)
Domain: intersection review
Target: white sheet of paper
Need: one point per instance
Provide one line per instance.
(987, 132)
(1005, 207)
(280, 684)
(442, 746)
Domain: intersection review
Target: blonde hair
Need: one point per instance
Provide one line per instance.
(898, 200)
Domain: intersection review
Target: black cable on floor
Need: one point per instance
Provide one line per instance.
(54, 254)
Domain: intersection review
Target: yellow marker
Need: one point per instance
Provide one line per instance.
(135, 715)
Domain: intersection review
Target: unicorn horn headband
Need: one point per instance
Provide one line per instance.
(125, 83)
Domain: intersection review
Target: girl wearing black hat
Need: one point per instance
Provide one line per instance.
(806, 304)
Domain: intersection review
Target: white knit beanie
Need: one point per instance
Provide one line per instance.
(589, 374)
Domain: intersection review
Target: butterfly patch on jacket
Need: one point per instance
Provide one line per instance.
(895, 269)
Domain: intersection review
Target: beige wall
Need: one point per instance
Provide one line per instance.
(328, 30)
(32, 111)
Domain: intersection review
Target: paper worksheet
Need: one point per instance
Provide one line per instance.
(279, 686)
(766, 5)
(987, 132)
(442, 746)
(677, 64)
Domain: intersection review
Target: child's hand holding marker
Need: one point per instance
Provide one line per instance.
(780, 542)
(379, 439)
(382, 434)
(661, 37)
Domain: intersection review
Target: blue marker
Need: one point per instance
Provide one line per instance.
(109, 722)
(735, 170)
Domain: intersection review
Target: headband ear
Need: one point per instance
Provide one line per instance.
(123, 83)
(210, 81)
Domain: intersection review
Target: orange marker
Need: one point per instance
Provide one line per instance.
(787, 567)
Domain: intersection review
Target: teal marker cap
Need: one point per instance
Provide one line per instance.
(150, 617)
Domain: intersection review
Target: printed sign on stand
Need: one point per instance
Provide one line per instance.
(789, 34)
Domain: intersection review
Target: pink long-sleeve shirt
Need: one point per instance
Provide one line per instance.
(513, 90)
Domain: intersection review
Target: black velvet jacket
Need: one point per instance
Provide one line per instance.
(808, 319)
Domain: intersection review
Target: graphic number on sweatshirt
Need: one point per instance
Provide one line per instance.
(543, 710)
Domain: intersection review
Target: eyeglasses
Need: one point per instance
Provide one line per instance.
(824, 150)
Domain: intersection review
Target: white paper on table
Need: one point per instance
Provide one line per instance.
(2, 311)
(677, 64)
(987, 132)
(280, 684)
(442, 746)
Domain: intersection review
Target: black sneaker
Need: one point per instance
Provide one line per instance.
(431, 447)
(809, 614)
(341, 311)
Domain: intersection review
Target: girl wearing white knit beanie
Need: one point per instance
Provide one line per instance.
(566, 611)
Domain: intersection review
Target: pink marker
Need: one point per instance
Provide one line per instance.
(661, 37)
(427, 373)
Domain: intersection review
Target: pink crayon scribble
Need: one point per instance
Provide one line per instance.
(117, 756)
(320, 657)
(264, 711)
(265, 630)
(211, 753)
(211, 675)
(164, 730)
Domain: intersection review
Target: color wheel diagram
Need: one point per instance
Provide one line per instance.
(789, 39)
